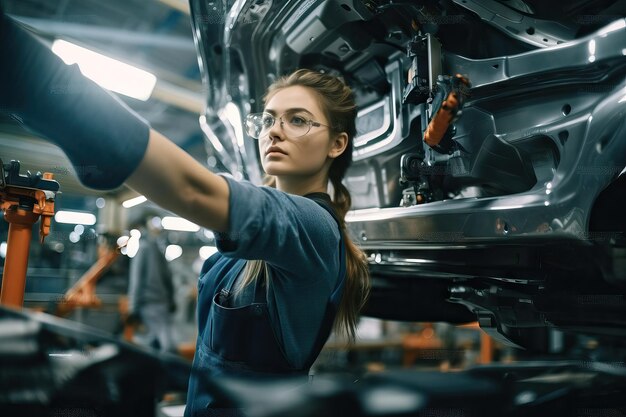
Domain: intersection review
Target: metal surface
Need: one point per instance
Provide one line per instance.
(535, 32)
(604, 45)
(51, 364)
(595, 150)
(390, 134)
(558, 104)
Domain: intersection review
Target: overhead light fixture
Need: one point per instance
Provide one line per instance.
(172, 252)
(205, 252)
(74, 237)
(178, 224)
(134, 201)
(122, 241)
(132, 244)
(75, 217)
(109, 73)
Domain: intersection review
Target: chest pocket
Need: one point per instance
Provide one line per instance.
(243, 335)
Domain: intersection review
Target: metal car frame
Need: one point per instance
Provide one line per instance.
(518, 258)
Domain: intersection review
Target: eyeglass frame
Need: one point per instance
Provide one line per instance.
(309, 122)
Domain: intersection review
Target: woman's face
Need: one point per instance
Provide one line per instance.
(295, 156)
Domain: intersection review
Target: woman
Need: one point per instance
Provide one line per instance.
(287, 271)
(278, 323)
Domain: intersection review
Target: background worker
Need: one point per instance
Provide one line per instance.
(151, 289)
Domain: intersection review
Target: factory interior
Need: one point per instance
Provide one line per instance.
(487, 331)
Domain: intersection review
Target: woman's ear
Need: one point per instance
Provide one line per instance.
(338, 146)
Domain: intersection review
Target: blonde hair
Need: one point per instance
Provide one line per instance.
(337, 102)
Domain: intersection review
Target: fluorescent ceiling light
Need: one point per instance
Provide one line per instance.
(134, 201)
(206, 251)
(109, 73)
(74, 237)
(179, 224)
(75, 217)
(122, 241)
(130, 245)
(172, 252)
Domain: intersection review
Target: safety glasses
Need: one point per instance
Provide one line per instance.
(295, 125)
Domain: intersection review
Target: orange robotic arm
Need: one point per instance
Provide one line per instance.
(23, 200)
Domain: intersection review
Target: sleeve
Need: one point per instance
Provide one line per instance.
(289, 232)
(103, 138)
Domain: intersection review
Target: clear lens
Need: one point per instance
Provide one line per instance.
(259, 125)
(267, 121)
(254, 124)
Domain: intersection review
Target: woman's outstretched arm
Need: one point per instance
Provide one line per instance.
(174, 180)
(107, 143)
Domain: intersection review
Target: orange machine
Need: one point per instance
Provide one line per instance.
(24, 199)
(83, 292)
(451, 94)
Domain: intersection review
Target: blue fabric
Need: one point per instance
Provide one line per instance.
(243, 341)
(102, 137)
(300, 242)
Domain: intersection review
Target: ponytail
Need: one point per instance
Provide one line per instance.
(357, 284)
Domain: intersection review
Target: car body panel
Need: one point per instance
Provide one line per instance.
(551, 97)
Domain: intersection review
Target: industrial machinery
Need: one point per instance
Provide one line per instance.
(488, 178)
(24, 199)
